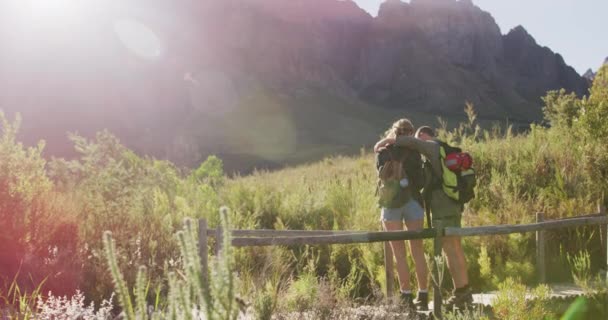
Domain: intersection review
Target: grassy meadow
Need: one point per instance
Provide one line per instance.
(53, 215)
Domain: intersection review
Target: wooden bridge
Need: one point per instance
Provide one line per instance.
(248, 238)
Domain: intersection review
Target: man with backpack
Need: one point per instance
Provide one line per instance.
(442, 191)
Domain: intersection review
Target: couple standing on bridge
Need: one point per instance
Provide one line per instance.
(410, 147)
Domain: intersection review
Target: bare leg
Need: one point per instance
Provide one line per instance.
(417, 248)
(456, 261)
(399, 252)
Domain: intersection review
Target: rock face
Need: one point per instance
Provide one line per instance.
(589, 75)
(225, 57)
(426, 55)
(537, 68)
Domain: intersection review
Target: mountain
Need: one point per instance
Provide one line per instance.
(590, 75)
(265, 82)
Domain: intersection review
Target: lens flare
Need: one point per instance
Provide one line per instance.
(138, 38)
(47, 11)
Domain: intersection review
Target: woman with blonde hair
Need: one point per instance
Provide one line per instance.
(405, 209)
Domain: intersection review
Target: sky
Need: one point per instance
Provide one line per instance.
(576, 29)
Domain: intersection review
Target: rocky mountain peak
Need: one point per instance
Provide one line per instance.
(521, 35)
(388, 5)
(538, 67)
(589, 74)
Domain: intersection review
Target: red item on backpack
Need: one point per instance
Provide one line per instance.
(458, 161)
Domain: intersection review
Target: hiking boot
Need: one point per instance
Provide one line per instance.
(407, 301)
(461, 298)
(422, 301)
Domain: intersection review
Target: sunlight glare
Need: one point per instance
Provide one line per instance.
(138, 38)
(51, 10)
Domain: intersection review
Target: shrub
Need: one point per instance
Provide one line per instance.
(561, 109)
(514, 301)
(39, 226)
(191, 294)
(302, 293)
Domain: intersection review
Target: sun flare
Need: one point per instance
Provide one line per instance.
(48, 10)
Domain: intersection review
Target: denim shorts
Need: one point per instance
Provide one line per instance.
(410, 211)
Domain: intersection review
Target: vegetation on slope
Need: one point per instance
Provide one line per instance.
(56, 211)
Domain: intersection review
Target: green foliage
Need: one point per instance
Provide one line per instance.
(468, 314)
(21, 169)
(302, 293)
(348, 288)
(561, 108)
(580, 264)
(514, 302)
(140, 200)
(485, 265)
(265, 301)
(577, 310)
(191, 293)
(124, 297)
(39, 233)
(209, 172)
(595, 108)
(21, 303)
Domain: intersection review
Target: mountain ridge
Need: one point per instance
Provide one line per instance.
(234, 74)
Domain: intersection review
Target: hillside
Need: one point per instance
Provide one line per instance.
(264, 83)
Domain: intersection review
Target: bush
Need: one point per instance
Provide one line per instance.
(191, 293)
(39, 235)
(561, 109)
(514, 301)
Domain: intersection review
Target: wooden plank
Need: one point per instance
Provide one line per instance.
(506, 229)
(540, 250)
(203, 250)
(284, 233)
(298, 233)
(368, 237)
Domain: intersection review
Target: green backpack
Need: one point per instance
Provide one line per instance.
(458, 179)
(389, 178)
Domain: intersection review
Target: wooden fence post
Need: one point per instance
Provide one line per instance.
(388, 269)
(437, 249)
(202, 248)
(540, 250)
(604, 233)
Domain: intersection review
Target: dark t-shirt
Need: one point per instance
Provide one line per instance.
(412, 164)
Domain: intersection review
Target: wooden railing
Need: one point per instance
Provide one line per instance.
(247, 238)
